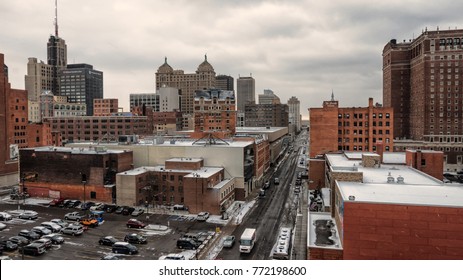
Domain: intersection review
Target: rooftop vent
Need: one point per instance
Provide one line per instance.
(390, 179)
(351, 197)
(400, 180)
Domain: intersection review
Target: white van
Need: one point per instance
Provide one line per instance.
(5, 216)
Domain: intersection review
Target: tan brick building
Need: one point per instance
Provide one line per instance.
(350, 129)
(105, 106)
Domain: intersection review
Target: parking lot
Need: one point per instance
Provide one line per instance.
(161, 232)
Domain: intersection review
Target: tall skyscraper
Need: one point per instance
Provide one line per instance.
(422, 81)
(225, 82)
(269, 97)
(56, 53)
(80, 83)
(294, 106)
(246, 92)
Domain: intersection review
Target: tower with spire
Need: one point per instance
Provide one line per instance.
(56, 53)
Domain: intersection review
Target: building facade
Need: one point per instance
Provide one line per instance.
(294, 106)
(350, 129)
(80, 83)
(105, 106)
(187, 84)
(272, 115)
(269, 97)
(214, 114)
(225, 82)
(84, 174)
(245, 92)
(75, 129)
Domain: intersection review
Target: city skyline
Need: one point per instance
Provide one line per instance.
(294, 48)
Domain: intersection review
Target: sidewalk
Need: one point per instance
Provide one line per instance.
(299, 251)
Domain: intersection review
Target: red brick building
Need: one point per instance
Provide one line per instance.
(350, 129)
(214, 113)
(39, 134)
(180, 181)
(105, 106)
(84, 174)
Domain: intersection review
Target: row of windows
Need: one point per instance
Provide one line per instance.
(360, 124)
(360, 116)
(361, 140)
(359, 148)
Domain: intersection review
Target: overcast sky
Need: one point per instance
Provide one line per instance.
(295, 48)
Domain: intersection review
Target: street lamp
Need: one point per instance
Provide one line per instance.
(84, 182)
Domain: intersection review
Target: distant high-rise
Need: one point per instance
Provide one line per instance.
(269, 97)
(187, 84)
(56, 54)
(245, 92)
(422, 81)
(224, 82)
(263, 115)
(294, 106)
(80, 83)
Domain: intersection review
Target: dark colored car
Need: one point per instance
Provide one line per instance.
(33, 249)
(124, 248)
(87, 205)
(43, 241)
(119, 209)
(135, 238)
(134, 223)
(187, 243)
(55, 238)
(20, 240)
(8, 245)
(29, 234)
(110, 208)
(127, 210)
(107, 240)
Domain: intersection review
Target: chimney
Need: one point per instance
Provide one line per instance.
(370, 102)
(380, 150)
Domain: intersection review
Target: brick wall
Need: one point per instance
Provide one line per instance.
(70, 191)
(324, 254)
(387, 231)
(316, 174)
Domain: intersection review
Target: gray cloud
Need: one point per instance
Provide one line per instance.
(296, 48)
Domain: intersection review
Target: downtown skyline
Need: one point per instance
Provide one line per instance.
(295, 48)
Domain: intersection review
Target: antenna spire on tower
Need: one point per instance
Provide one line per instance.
(56, 18)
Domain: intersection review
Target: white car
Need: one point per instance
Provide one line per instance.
(73, 229)
(97, 207)
(61, 223)
(5, 216)
(28, 215)
(52, 226)
(202, 216)
(2, 226)
(41, 230)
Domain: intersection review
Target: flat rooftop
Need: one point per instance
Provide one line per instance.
(184, 159)
(263, 129)
(75, 150)
(341, 163)
(424, 195)
(204, 172)
(323, 231)
(169, 143)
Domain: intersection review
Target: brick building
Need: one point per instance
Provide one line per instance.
(105, 106)
(350, 129)
(180, 181)
(89, 128)
(39, 134)
(258, 115)
(214, 113)
(387, 207)
(422, 81)
(84, 174)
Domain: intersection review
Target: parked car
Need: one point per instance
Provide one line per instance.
(2, 226)
(276, 181)
(41, 230)
(134, 223)
(124, 248)
(8, 245)
(172, 257)
(137, 212)
(74, 216)
(89, 222)
(229, 241)
(29, 234)
(68, 203)
(119, 209)
(127, 210)
(107, 240)
(51, 226)
(76, 204)
(28, 215)
(97, 207)
(110, 208)
(180, 207)
(33, 249)
(55, 238)
(73, 229)
(187, 243)
(202, 216)
(5, 216)
(44, 241)
(266, 185)
(87, 205)
(60, 222)
(135, 238)
(20, 240)
(56, 202)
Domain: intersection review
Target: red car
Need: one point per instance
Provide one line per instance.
(134, 223)
(57, 202)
